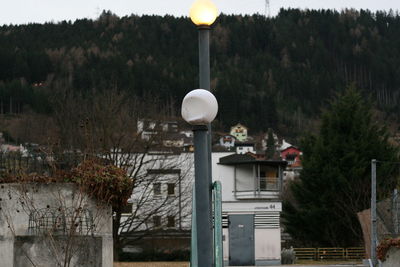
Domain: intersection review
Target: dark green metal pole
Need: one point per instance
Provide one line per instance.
(204, 80)
(202, 194)
(204, 57)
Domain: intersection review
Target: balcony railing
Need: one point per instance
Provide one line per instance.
(268, 183)
(265, 187)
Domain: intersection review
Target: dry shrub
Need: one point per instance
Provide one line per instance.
(385, 245)
(104, 182)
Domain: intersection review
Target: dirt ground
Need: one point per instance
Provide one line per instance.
(151, 264)
(186, 264)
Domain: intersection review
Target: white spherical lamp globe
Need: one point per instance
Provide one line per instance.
(199, 107)
(203, 13)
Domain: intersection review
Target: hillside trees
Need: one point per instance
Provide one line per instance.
(281, 68)
(335, 181)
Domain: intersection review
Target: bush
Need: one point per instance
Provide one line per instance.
(105, 182)
(288, 256)
(384, 247)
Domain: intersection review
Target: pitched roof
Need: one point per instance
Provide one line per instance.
(239, 125)
(290, 147)
(240, 159)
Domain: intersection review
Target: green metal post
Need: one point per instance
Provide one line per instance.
(193, 240)
(218, 248)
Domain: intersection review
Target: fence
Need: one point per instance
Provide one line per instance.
(354, 253)
(14, 163)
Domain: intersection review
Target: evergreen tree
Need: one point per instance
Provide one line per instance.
(335, 181)
(270, 144)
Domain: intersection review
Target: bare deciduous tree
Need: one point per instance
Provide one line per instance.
(105, 125)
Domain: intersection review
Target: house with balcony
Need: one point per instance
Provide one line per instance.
(251, 206)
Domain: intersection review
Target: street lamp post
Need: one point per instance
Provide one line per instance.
(199, 108)
(203, 14)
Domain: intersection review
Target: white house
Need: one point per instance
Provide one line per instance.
(244, 147)
(239, 131)
(227, 141)
(251, 208)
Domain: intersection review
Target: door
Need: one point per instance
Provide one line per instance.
(241, 240)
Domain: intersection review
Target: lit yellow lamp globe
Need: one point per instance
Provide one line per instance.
(203, 13)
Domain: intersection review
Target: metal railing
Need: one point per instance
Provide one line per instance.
(217, 228)
(353, 253)
(15, 163)
(261, 184)
(268, 183)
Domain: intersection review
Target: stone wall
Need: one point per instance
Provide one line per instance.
(392, 258)
(87, 252)
(44, 224)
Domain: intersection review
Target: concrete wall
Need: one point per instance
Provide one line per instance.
(392, 258)
(21, 241)
(87, 251)
(267, 244)
(224, 174)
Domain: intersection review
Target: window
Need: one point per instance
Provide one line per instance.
(157, 188)
(157, 221)
(171, 189)
(152, 125)
(171, 221)
(127, 208)
(269, 179)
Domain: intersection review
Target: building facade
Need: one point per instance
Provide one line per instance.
(251, 203)
(251, 208)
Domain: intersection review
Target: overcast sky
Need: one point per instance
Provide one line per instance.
(25, 11)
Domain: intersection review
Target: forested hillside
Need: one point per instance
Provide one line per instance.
(266, 72)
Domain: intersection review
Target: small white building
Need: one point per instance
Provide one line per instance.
(244, 147)
(251, 208)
